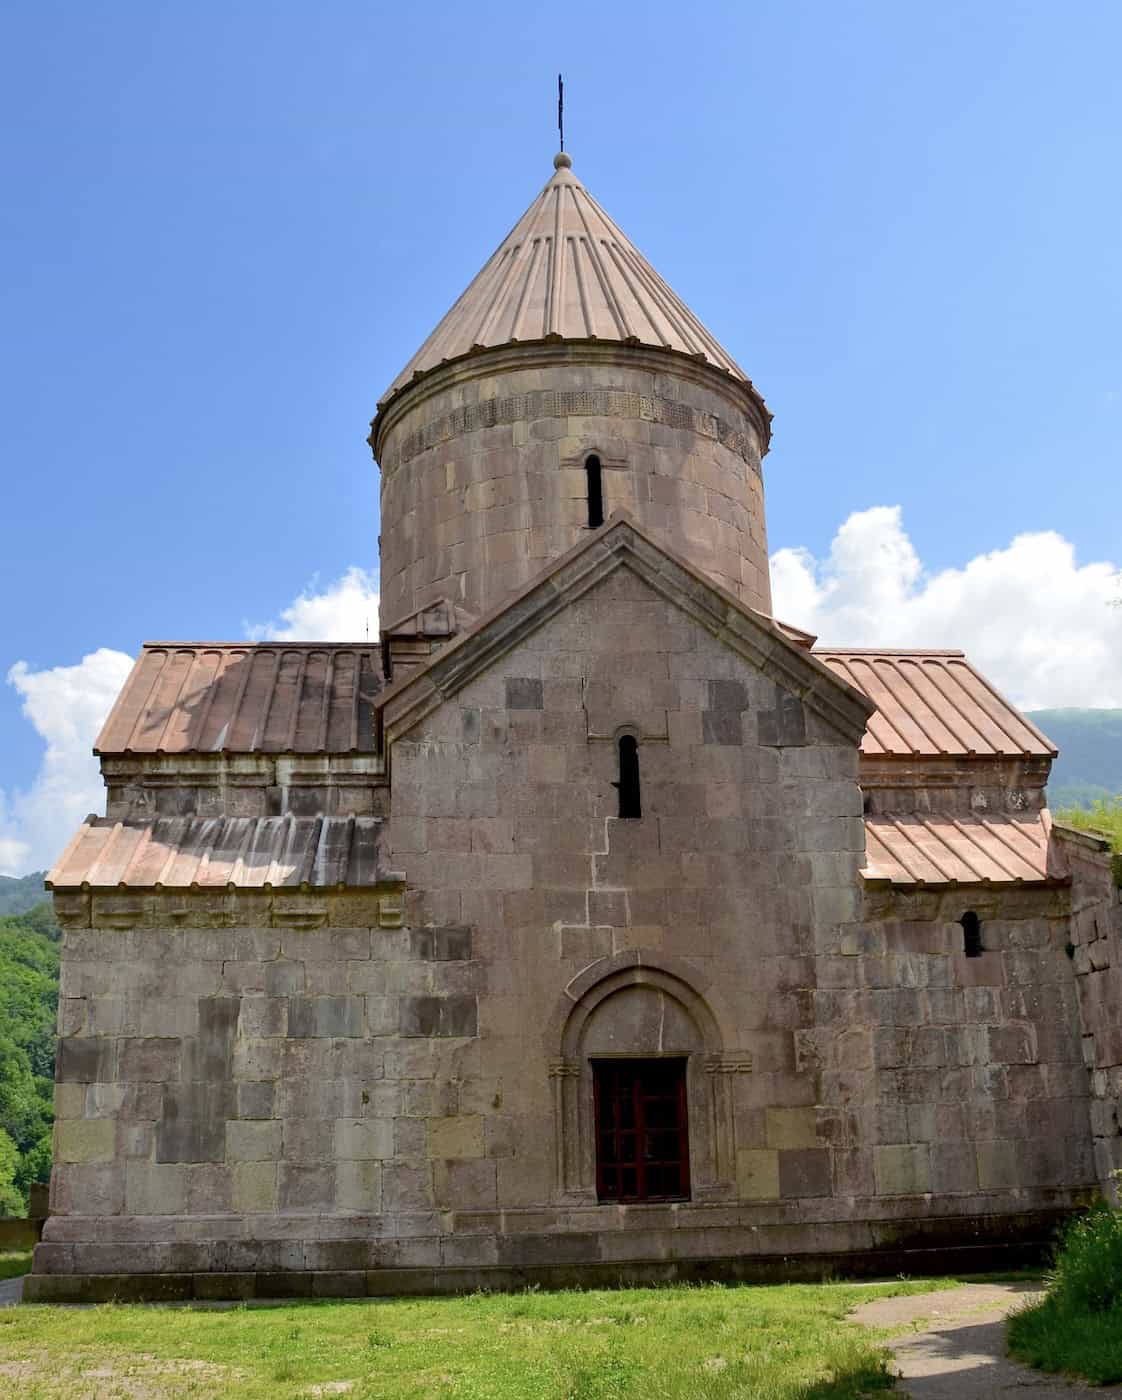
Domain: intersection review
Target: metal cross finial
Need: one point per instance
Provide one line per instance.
(561, 110)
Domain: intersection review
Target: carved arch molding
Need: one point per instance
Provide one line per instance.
(627, 1008)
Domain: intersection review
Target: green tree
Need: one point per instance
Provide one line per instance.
(11, 1198)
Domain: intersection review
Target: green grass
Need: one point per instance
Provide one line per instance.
(1104, 819)
(1078, 1326)
(15, 1262)
(1053, 1339)
(681, 1343)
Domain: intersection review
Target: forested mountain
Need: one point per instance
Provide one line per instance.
(1089, 767)
(28, 1012)
(19, 895)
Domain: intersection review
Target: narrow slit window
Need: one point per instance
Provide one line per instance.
(971, 934)
(628, 785)
(595, 476)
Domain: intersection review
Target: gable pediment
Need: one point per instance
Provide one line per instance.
(621, 544)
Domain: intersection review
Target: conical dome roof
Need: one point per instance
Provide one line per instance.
(566, 271)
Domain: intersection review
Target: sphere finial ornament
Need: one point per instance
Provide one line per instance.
(562, 161)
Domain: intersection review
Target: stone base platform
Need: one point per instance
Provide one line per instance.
(917, 1247)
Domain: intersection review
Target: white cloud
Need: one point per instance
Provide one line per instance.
(1039, 625)
(343, 612)
(67, 705)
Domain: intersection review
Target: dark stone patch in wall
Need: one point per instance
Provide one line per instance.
(175, 801)
(728, 695)
(310, 1017)
(785, 726)
(150, 1059)
(439, 1016)
(524, 693)
(209, 1055)
(469, 720)
(255, 1098)
(85, 1060)
(804, 1172)
(721, 727)
(192, 1127)
(721, 721)
(452, 944)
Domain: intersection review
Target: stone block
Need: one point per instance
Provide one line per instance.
(954, 1168)
(757, 1174)
(364, 1139)
(192, 1127)
(152, 1189)
(85, 1059)
(255, 1098)
(1012, 1045)
(149, 1058)
(721, 727)
(791, 1127)
(460, 1136)
(582, 944)
(406, 1188)
(208, 1055)
(284, 978)
(253, 1141)
(254, 1188)
(524, 693)
(304, 1188)
(451, 944)
(804, 1172)
(358, 1186)
(465, 1184)
(310, 1017)
(85, 1140)
(70, 1101)
(262, 1017)
(902, 1169)
(439, 1016)
(998, 1165)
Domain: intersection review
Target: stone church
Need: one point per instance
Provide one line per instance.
(593, 926)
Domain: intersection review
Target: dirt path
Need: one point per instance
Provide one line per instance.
(951, 1345)
(11, 1290)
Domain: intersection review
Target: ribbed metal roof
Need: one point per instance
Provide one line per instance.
(220, 853)
(566, 270)
(225, 697)
(933, 703)
(942, 850)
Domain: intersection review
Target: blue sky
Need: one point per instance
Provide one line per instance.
(226, 227)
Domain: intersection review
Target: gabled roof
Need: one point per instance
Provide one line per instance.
(566, 271)
(229, 697)
(934, 703)
(622, 543)
(945, 850)
(221, 853)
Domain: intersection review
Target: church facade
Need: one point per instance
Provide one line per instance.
(594, 925)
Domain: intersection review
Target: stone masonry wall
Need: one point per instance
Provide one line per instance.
(390, 1089)
(947, 1078)
(483, 482)
(1096, 934)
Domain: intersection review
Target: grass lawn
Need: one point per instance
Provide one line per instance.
(1084, 1344)
(681, 1343)
(14, 1262)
